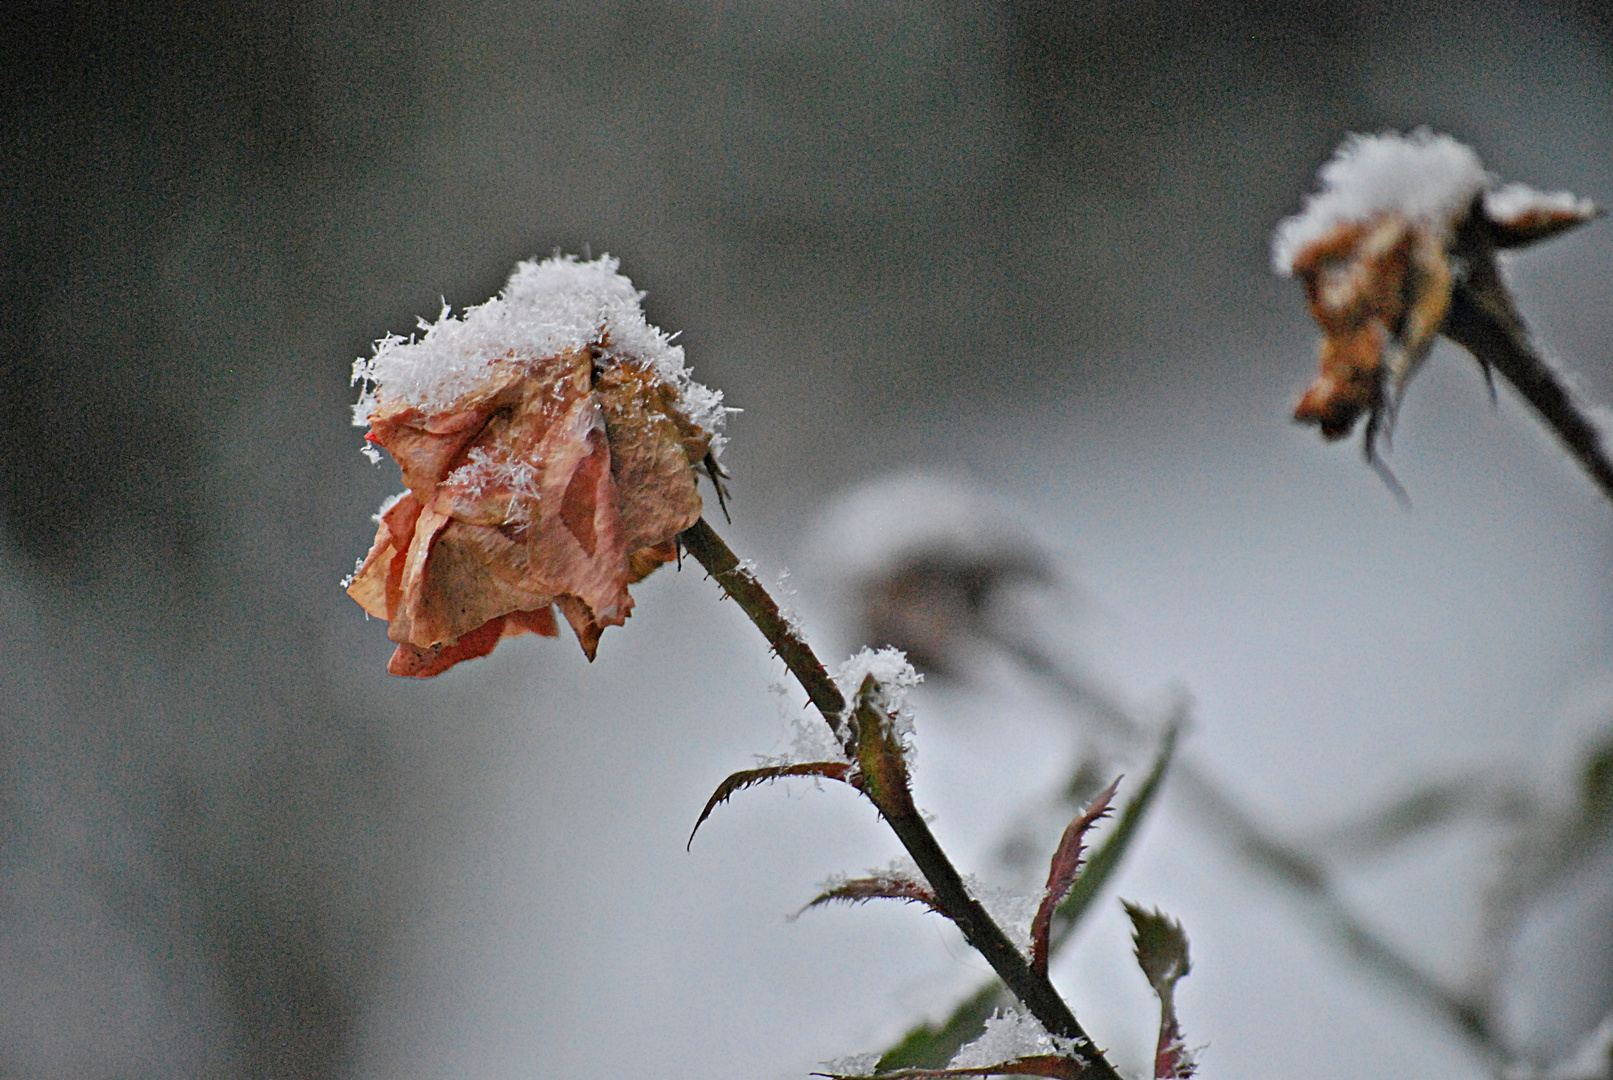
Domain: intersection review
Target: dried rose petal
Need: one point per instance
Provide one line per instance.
(1379, 290)
(549, 441)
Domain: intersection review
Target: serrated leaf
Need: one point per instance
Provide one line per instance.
(1055, 1066)
(1106, 859)
(1163, 956)
(888, 886)
(1161, 947)
(739, 781)
(1062, 871)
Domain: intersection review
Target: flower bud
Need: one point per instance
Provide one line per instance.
(1401, 223)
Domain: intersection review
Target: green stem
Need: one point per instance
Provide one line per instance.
(701, 541)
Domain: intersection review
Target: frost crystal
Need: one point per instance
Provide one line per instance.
(853, 1065)
(811, 740)
(785, 591)
(391, 501)
(894, 677)
(1010, 1035)
(547, 307)
(1429, 179)
(1008, 909)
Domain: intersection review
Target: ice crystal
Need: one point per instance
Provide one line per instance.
(1010, 1034)
(547, 307)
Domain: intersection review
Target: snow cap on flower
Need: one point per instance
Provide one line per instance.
(558, 305)
(548, 440)
(1428, 179)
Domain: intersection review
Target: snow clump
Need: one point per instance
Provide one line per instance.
(1010, 1035)
(893, 678)
(1429, 179)
(548, 307)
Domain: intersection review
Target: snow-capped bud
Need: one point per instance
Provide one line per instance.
(549, 440)
(1401, 224)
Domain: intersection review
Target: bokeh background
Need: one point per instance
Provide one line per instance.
(1023, 244)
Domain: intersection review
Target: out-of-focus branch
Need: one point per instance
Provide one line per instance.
(1482, 320)
(1285, 863)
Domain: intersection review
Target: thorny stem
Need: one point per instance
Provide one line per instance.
(1290, 866)
(1483, 321)
(701, 541)
(982, 933)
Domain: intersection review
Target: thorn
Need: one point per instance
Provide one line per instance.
(715, 474)
(1389, 481)
(1369, 449)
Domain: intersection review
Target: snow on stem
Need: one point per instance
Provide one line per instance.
(867, 732)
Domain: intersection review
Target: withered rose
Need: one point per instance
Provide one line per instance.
(548, 442)
(1401, 223)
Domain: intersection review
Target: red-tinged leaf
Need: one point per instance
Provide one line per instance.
(1162, 954)
(1161, 946)
(739, 781)
(886, 886)
(1055, 1066)
(880, 755)
(1061, 873)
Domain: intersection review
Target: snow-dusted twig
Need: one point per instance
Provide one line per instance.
(866, 733)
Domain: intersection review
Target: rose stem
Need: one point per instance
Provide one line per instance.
(983, 934)
(1483, 321)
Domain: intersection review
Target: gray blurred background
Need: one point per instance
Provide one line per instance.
(1024, 243)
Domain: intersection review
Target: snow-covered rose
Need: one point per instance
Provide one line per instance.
(548, 441)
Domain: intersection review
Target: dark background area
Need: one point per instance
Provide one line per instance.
(895, 234)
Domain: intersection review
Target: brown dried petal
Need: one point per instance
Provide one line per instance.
(415, 662)
(1380, 291)
(1351, 382)
(653, 453)
(377, 582)
(425, 448)
(473, 573)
